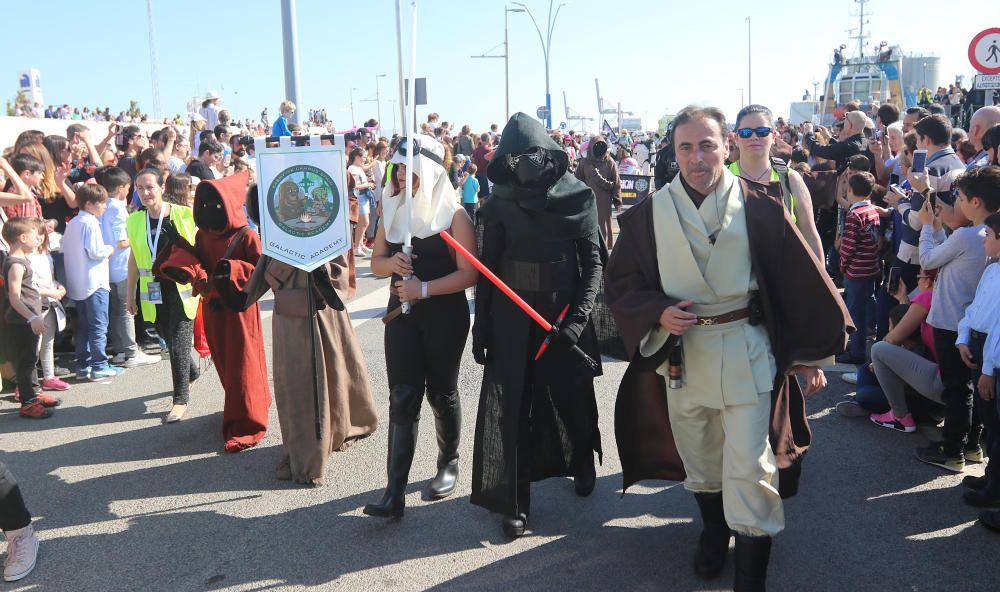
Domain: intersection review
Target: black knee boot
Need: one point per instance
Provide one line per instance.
(448, 421)
(752, 556)
(585, 477)
(404, 410)
(713, 545)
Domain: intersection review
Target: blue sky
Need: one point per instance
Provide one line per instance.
(653, 56)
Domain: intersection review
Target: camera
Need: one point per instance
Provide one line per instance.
(245, 140)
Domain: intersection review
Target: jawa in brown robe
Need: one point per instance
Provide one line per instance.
(805, 320)
(346, 408)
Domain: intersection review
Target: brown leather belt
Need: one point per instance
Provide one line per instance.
(392, 314)
(729, 317)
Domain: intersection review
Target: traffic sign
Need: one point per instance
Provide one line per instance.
(543, 112)
(987, 82)
(562, 125)
(984, 51)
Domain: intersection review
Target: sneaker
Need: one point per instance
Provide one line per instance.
(61, 372)
(35, 410)
(17, 393)
(54, 384)
(140, 359)
(851, 408)
(22, 552)
(973, 453)
(48, 400)
(889, 420)
(934, 454)
(104, 372)
(118, 359)
(359, 252)
(83, 374)
(849, 377)
(974, 483)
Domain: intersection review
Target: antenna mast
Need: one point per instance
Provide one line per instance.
(862, 37)
(153, 69)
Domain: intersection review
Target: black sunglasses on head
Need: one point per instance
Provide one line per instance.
(746, 132)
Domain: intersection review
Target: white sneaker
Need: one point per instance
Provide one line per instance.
(368, 252)
(140, 359)
(849, 377)
(359, 252)
(119, 360)
(22, 551)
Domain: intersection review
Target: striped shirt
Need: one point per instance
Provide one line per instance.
(859, 245)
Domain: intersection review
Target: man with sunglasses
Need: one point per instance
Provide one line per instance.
(710, 270)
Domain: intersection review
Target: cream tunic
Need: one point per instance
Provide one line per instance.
(728, 364)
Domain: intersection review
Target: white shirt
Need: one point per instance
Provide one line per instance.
(983, 315)
(176, 165)
(86, 257)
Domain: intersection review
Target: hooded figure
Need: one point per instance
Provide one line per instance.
(423, 349)
(328, 361)
(600, 172)
(236, 339)
(537, 419)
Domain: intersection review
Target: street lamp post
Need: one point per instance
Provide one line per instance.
(352, 105)
(749, 62)
(546, 46)
(378, 99)
(506, 59)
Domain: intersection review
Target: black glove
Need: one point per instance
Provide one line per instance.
(222, 270)
(170, 231)
(479, 342)
(566, 337)
(327, 293)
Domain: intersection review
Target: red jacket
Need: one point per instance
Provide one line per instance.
(860, 243)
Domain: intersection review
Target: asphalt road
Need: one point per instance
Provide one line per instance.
(124, 502)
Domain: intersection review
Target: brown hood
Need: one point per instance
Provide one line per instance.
(594, 142)
(231, 193)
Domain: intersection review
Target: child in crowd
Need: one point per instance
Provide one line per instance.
(23, 320)
(52, 314)
(987, 384)
(280, 127)
(960, 260)
(859, 261)
(470, 192)
(978, 327)
(179, 190)
(29, 173)
(121, 327)
(88, 275)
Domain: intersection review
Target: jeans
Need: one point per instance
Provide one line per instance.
(858, 295)
(897, 368)
(121, 327)
(869, 393)
(92, 331)
(13, 513)
(470, 209)
(22, 347)
(956, 395)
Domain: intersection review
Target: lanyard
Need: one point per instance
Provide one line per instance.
(154, 242)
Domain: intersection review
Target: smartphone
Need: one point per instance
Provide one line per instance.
(892, 284)
(897, 189)
(919, 161)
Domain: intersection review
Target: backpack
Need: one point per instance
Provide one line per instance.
(786, 191)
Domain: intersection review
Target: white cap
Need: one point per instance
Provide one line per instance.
(212, 94)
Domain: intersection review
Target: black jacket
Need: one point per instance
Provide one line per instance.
(665, 168)
(838, 151)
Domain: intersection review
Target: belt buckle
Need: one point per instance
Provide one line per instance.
(706, 322)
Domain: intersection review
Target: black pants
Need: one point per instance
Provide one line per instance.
(178, 331)
(22, 348)
(955, 376)
(13, 513)
(826, 225)
(424, 349)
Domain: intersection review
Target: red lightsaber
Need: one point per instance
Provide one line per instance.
(531, 312)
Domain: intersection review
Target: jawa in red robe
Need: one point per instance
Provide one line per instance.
(236, 339)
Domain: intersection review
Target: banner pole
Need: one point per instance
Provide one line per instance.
(411, 126)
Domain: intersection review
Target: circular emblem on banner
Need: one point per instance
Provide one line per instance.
(303, 200)
(641, 185)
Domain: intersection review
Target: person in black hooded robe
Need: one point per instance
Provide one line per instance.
(537, 419)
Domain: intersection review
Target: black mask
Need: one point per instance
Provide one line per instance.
(210, 213)
(600, 149)
(530, 167)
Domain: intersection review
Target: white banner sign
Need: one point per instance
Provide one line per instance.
(987, 82)
(304, 218)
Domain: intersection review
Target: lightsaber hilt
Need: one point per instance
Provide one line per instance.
(406, 306)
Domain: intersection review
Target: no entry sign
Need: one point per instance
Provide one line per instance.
(984, 51)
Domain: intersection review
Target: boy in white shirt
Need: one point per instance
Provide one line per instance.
(87, 283)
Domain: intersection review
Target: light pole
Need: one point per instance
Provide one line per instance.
(352, 105)
(749, 61)
(506, 59)
(378, 99)
(290, 48)
(546, 46)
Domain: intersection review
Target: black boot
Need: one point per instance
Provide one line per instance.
(586, 477)
(515, 525)
(448, 421)
(402, 443)
(752, 556)
(713, 545)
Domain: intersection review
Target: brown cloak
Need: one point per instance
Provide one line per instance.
(805, 316)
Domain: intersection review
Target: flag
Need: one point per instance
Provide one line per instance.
(609, 132)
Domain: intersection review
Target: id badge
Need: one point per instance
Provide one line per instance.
(155, 294)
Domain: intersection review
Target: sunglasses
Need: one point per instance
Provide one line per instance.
(747, 132)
